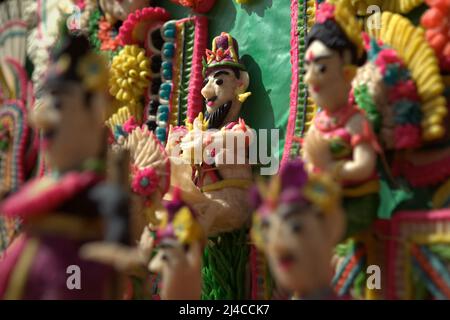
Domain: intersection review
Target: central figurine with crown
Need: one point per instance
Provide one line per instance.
(215, 173)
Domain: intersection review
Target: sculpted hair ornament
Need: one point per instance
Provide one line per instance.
(338, 12)
(75, 61)
(293, 185)
(180, 222)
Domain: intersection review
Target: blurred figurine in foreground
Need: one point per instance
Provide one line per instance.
(297, 223)
(179, 240)
(74, 204)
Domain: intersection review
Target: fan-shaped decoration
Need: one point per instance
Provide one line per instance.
(150, 163)
(15, 158)
(400, 6)
(409, 42)
(17, 80)
(13, 30)
(121, 123)
(143, 28)
(13, 44)
(14, 133)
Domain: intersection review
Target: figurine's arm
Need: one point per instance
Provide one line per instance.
(363, 161)
(232, 145)
(316, 151)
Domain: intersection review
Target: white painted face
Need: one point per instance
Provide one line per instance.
(325, 76)
(220, 87)
(120, 9)
(72, 130)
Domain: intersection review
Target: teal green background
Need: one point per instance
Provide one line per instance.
(262, 29)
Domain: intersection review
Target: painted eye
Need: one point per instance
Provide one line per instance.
(265, 224)
(57, 104)
(219, 82)
(322, 68)
(296, 228)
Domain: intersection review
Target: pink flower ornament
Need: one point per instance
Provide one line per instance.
(145, 182)
(325, 12)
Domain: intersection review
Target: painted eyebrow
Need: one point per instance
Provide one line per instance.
(295, 210)
(219, 73)
(215, 76)
(317, 59)
(287, 215)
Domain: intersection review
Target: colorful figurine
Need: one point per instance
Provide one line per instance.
(214, 188)
(74, 205)
(219, 184)
(179, 240)
(401, 92)
(341, 140)
(297, 223)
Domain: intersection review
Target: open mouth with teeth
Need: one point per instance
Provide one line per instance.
(217, 117)
(286, 261)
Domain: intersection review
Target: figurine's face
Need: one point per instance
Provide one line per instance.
(72, 129)
(298, 248)
(220, 87)
(120, 9)
(325, 76)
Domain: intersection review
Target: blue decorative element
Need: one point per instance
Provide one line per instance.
(167, 70)
(169, 30)
(437, 264)
(353, 272)
(163, 113)
(374, 50)
(164, 92)
(118, 132)
(160, 133)
(144, 182)
(392, 74)
(168, 50)
(427, 281)
(163, 109)
(407, 112)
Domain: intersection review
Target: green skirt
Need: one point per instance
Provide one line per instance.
(361, 212)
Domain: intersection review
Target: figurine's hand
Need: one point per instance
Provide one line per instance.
(317, 151)
(146, 244)
(120, 257)
(174, 140)
(192, 147)
(180, 270)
